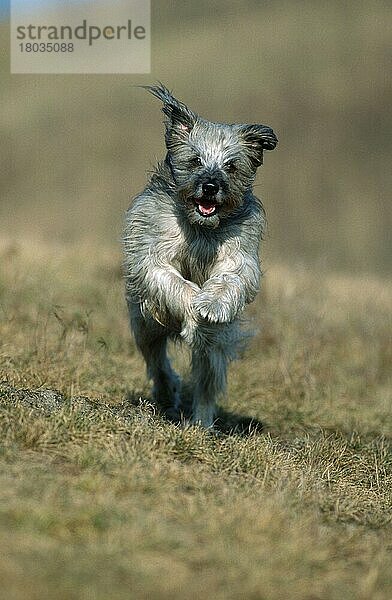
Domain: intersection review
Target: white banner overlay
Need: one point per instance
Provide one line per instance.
(80, 36)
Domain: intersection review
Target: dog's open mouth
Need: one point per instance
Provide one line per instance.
(206, 207)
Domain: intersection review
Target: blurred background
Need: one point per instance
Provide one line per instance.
(76, 148)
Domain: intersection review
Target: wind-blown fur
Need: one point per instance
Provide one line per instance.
(191, 251)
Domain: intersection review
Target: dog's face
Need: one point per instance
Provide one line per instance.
(212, 164)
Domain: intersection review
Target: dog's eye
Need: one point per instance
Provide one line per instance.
(196, 161)
(230, 166)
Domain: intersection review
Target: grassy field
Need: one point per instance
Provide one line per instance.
(102, 498)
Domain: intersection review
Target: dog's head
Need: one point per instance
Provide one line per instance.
(212, 164)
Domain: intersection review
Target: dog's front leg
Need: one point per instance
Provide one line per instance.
(169, 297)
(221, 298)
(224, 296)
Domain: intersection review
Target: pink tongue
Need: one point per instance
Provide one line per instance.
(206, 210)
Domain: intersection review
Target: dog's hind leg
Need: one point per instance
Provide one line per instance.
(214, 345)
(151, 340)
(209, 375)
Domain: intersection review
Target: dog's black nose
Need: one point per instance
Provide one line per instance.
(211, 188)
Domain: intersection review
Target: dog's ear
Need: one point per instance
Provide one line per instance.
(258, 138)
(180, 120)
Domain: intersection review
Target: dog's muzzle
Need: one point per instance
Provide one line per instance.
(207, 204)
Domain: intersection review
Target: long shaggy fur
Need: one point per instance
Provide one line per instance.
(191, 251)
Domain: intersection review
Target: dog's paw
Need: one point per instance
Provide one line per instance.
(213, 309)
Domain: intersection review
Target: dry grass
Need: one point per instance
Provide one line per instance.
(107, 500)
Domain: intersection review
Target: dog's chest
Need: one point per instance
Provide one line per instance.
(196, 258)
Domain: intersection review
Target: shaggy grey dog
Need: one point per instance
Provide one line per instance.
(191, 252)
